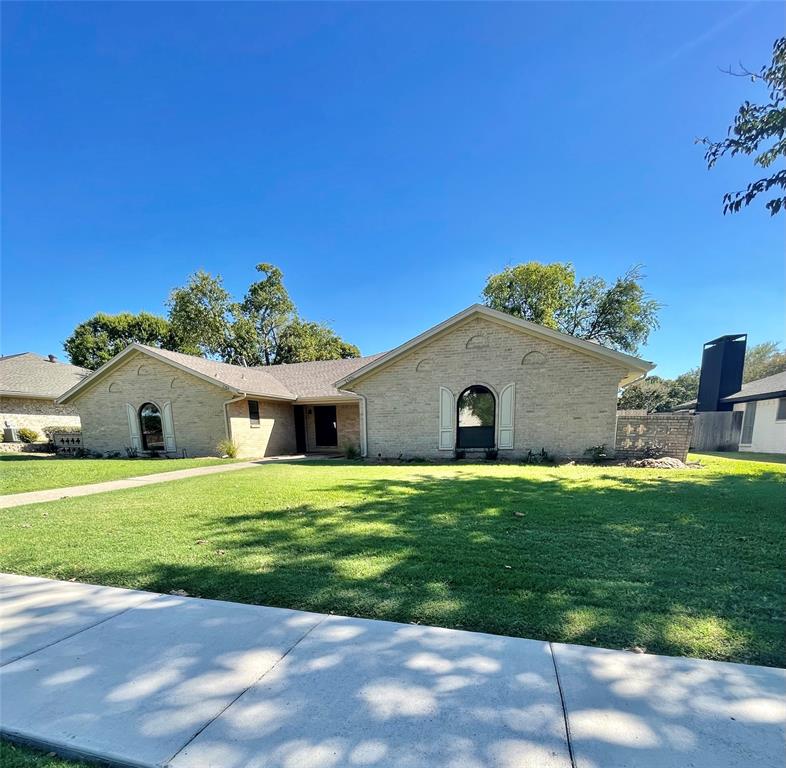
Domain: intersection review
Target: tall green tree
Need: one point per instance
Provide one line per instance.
(301, 342)
(619, 315)
(269, 308)
(262, 329)
(651, 394)
(762, 360)
(758, 130)
(100, 338)
(200, 316)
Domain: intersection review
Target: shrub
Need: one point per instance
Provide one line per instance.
(68, 429)
(542, 457)
(228, 449)
(654, 450)
(597, 453)
(491, 454)
(132, 453)
(458, 455)
(27, 435)
(351, 451)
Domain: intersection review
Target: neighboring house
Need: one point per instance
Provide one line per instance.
(763, 403)
(481, 380)
(29, 386)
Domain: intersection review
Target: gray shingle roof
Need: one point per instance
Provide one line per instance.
(295, 380)
(30, 375)
(761, 389)
(254, 381)
(317, 379)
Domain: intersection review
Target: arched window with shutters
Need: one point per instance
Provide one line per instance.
(475, 418)
(151, 428)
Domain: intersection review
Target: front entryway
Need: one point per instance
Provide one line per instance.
(325, 426)
(300, 429)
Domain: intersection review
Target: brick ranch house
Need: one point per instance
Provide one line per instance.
(480, 380)
(30, 385)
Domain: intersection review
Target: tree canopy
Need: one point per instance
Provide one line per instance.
(759, 130)
(100, 338)
(619, 315)
(204, 320)
(301, 342)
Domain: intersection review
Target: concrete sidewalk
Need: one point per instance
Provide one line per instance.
(156, 680)
(52, 494)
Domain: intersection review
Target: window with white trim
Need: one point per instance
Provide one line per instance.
(253, 412)
(781, 414)
(748, 421)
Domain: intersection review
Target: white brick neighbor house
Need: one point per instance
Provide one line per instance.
(480, 381)
(29, 386)
(763, 403)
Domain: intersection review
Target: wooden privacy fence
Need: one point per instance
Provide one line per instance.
(716, 431)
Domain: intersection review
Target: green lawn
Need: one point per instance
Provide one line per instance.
(28, 472)
(683, 562)
(15, 756)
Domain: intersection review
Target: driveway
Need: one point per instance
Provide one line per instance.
(162, 680)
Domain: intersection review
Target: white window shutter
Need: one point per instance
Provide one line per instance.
(507, 406)
(133, 427)
(169, 427)
(446, 414)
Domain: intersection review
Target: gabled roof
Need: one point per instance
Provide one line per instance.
(317, 380)
(762, 389)
(30, 375)
(634, 366)
(236, 379)
(278, 382)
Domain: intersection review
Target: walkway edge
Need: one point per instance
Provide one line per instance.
(55, 494)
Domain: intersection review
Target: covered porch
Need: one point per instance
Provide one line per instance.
(327, 426)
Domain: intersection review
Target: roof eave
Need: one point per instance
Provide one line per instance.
(28, 395)
(774, 395)
(99, 373)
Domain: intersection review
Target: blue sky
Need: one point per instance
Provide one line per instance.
(388, 157)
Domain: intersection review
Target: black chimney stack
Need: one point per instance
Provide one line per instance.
(721, 371)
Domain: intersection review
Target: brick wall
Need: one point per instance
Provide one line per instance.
(197, 406)
(671, 430)
(36, 414)
(275, 435)
(566, 401)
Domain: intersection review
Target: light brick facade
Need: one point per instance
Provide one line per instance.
(275, 434)
(36, 414)
(197, 406)
(565, 400)
(550, 392)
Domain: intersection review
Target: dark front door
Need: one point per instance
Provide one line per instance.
(300, 430)
(325, 425)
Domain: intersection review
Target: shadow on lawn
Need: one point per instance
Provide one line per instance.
(676, 568)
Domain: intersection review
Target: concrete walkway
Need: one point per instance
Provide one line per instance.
(157, 680)
(52, 494)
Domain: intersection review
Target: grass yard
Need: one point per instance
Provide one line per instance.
(28, 472)
(682, 562)
(16, 756)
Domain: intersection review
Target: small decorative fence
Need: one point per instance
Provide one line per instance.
(653, 434)
(67, 442)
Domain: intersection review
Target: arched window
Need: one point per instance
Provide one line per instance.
(152, 430)
(475, 420)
